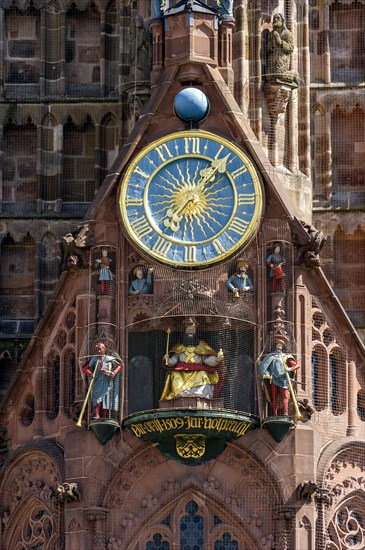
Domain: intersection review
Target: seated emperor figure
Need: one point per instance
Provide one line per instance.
(192, 368)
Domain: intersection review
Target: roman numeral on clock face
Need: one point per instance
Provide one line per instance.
(141, 227)
(238, 226)
(131, 201)
(218, 246)
(161, 246)
(192, 145)
(190, 254)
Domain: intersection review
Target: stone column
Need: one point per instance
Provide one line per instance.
(98, 530)
(2, 46)
(323, 159)
(284, 518)
(102, 54)
(324, 43)
(353, 388)
(323, 501)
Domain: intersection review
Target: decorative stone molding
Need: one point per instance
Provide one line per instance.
(349, 485)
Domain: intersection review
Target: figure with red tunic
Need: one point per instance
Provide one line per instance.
(275, 262)
(276, 368)
(103, 268)
(105, 372)
(192, 368)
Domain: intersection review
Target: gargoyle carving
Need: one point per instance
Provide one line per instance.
(68, 492)
(309, 242)
(306, 490)
(74, 246)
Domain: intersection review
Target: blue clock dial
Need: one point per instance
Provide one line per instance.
(190, 199)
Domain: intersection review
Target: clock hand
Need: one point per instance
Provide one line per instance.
(206, 174)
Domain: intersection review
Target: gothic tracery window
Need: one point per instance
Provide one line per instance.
(347, 528)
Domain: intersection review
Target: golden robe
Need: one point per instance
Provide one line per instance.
(191, 372)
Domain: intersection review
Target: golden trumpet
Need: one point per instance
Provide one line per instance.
(79, 421)
(293, 396)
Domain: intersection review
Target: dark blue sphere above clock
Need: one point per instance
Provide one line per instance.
(191, 105)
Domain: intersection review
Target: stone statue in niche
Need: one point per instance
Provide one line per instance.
(138, 52)
(279, 47)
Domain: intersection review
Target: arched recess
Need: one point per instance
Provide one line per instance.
(348, 164)
(31, 512)
(19, 165)
(348, 262)
(22, 51)
(83, 50)
(108, 145)
(78, 184)
(347, 24)
(147, 499)
(319, 377)
(17, 280)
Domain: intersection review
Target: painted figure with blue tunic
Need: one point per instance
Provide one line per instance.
(141, 284)
(105, 372)
(240, 282)
(275, 368)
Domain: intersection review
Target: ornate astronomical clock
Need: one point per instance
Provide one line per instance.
(190, 200)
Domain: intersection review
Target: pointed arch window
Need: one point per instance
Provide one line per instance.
(192, 528)
(78, 183)
(83, 51)
(347, 26)
(53, 386)
(192, 525)
(19, 166)
(22, 65)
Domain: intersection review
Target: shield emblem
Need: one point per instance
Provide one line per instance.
(190, 445)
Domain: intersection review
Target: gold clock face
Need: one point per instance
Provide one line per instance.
(190, 200)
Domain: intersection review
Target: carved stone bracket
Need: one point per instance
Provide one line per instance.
(277, 96)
